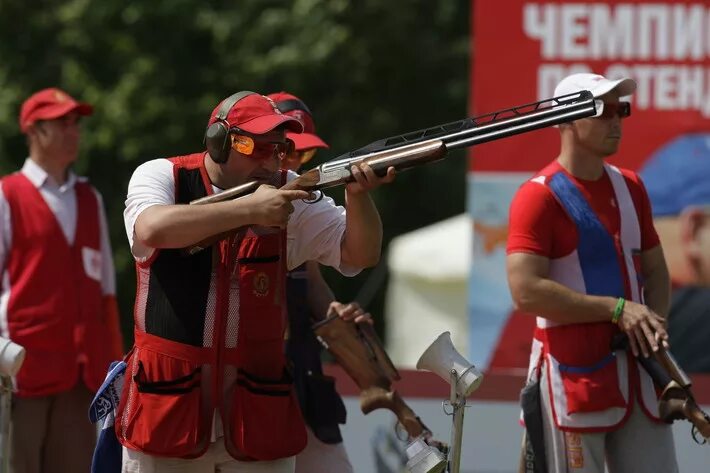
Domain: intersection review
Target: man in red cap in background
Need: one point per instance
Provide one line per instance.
(306, 144)
(310, 299)
(57, 297)
(208, 360)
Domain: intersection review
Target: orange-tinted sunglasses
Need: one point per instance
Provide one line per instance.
(261, 148)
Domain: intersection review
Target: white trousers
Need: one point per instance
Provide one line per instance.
(215, 460)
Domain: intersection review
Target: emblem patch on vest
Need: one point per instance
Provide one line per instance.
(261, 284)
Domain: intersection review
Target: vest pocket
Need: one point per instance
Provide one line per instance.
(261, 288)
(264, 420)
(165, 406)
(592, 388)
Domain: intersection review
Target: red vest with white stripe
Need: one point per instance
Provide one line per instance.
(592, 387)
(209, 331)
(54, 308)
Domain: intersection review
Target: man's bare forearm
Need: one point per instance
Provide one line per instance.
(179, 226)
(553, 301)
(319, 293)
(657, 281)
(535, 293)
(657, 294)
(362, 243)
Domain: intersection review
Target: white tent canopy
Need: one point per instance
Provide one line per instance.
(427, 293)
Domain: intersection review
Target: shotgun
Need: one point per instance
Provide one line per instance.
(425, 146)
(676, 401)
(359, 351)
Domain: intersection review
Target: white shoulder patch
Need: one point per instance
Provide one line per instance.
(539, 179)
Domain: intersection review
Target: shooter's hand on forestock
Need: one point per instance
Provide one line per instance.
(676, 400)
(366, 180)
(349, 312)
(359, 351)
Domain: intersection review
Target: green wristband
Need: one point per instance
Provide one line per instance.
(618, 310)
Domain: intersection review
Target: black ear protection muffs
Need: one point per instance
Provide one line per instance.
(289, 105)
(217, 137)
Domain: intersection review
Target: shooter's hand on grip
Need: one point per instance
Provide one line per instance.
(644, 327)
(267, 206)
(271, 207)
(348, 312)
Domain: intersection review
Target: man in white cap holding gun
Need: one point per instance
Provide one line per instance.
(584, 257)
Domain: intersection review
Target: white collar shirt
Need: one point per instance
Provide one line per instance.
(61, 199)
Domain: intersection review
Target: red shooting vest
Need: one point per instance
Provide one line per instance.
(55, 308)
(209, 335)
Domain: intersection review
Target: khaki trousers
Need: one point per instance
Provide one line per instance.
(320, 457)
(52, 434)
(215, 460)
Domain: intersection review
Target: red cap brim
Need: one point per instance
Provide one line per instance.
(303, 141)
(266, 123)
(52, 112)
(59, 110)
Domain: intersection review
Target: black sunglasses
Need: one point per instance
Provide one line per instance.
(611, 109)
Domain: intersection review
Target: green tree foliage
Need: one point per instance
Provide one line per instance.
(154, 71)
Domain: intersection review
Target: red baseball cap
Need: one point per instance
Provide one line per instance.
(49, 104)
(294, 107)
(257, 114)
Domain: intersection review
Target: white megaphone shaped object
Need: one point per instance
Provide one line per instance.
(11, 357)
(441, 358)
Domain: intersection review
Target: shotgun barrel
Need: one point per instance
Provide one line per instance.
(432, 144)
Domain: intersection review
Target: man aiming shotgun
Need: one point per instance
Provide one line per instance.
(431, 144)
(206, 386)
(205, 383)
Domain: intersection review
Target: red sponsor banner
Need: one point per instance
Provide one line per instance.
(521, 49)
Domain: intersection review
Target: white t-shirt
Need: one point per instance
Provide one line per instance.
(314, 231)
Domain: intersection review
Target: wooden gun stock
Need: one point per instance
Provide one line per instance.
(671, 366)
(359, 351)
(676, 401)
(377, 397)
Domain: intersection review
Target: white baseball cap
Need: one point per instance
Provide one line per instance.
(597, 84)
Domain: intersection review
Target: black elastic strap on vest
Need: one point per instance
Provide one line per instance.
(178, 287)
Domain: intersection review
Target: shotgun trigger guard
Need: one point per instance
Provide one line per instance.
(400, 432)
(319, 197)
(443, 407)
(697, 438)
